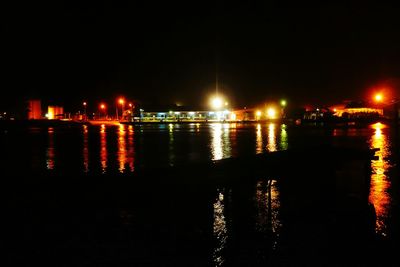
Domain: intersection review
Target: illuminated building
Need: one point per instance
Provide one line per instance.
(55, 112)
(358, 112)
(34, 109)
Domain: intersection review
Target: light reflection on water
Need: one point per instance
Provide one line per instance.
(219, 230)
(284, 138)
(50, 153)
(220, 143)
(103, 148)
(122, 154)
(171, 154)
(271, 145)
(268, 207)
(259, 140)
(131, 149)
(380, 183)
(85, 149)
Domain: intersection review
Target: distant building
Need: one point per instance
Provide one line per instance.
(360, 112)
(34, 110)
(55, 112)
(244, 114)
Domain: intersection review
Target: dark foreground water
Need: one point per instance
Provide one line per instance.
(119, 221)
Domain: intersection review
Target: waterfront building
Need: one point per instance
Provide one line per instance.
(55, 112)
(34, 109)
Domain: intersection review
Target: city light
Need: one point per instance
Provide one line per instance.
(121, 101)
(102, 106)
(283, 103)
(271, 113)
(378, 97)
(216, 102)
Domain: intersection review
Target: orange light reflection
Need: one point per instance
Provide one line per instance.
(85, 149)
(259, 140)
(131, 149)
(122, 159)
(50, 163)
(380, 184)
(103, 148)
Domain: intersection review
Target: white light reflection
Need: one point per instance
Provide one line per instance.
(268, 209)
(216, 143)
(220, 231)
(259, 140)
(171, 155)
(271, 145)
(220, 142)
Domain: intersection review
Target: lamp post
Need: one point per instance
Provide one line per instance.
(103, 108)
(121, 101)
(131, 109)
(283, 105)
(217, 103)
(84, 111)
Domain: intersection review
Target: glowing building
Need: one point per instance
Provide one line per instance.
(55, 112)
(34, 110)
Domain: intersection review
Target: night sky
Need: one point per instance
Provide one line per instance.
(153, 52)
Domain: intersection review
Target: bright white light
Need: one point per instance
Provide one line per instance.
(271, 113)
(216, 102)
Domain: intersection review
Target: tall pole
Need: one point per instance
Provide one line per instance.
(84, 111)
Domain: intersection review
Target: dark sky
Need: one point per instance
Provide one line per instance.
(73, 50)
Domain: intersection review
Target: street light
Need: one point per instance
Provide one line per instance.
(216, 102)
(84, 111)
(103, 108)
(283, 105)
(121, 101)
(258, 114)
(378, 97)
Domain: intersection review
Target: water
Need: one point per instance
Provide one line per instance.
(124, 149)
(110, 148)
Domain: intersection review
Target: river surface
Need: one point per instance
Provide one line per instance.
(108, 149)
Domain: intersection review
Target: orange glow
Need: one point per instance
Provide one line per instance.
(271, 113)
(50, 155)
(271, 145)
(102, 106)
(122, 153)
(103, 148)
(380, 184)
(378, 97)
(121, 101)
(130, 105)
(259, 140)
(85, 149)
(131, 149)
